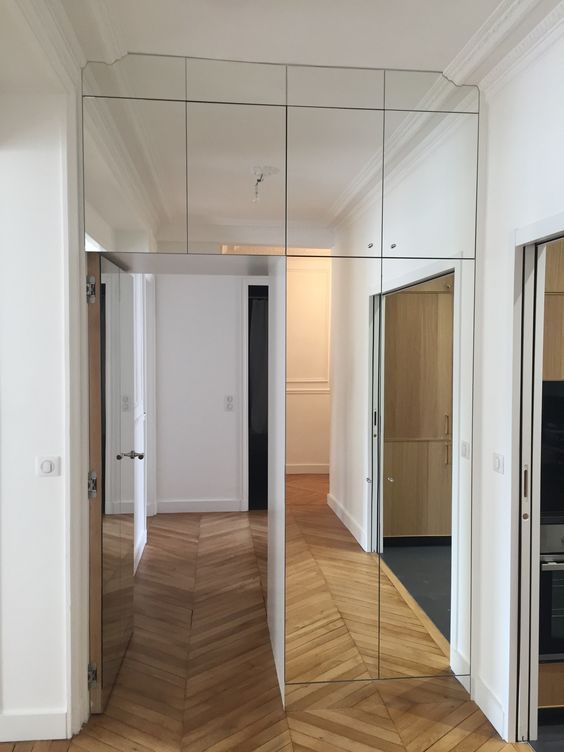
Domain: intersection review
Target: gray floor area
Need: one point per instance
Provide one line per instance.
(551, 734)
(425, 572)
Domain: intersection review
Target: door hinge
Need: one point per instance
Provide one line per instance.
(92, 484)
(92, 675)
(90, 289)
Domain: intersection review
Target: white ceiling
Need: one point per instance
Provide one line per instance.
(420, 34)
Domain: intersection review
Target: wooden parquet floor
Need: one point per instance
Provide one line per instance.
(199, 674)
(346, 617)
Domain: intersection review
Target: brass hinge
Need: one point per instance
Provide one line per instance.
(92, 484)
(92, 675)
(90, 289)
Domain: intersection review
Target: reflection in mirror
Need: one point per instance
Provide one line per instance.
(430, 174)
(116, 308)
(310, 86)
(236, 178)
(428, 91)
(425, 508)
(239, 83)
(331, 578)
(137, 76)
(135, 175)
(334, 180)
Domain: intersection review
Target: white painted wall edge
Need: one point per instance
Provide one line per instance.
(172, 506)
(138, 549)
(304, 469)
(541, 231)
(21, 727)
(488, 702)
(348, 521)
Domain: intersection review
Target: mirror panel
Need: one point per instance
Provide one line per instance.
(430, 182)
(426, 363)
(332, 581)
(334, 181)
(236, 178)
(310, 86)
(116, 306)
(135, 175)
(137, 76)
(238, 83)
(428, 91)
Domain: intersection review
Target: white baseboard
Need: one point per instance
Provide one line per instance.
(490, 705)
(348, 521)
(23, 727)
(302, 469)
(138, 549)
(151, 509)
(122, 507)
(171, 506)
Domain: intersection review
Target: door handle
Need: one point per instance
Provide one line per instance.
(390, 479)
(552, 566)
(131, 455)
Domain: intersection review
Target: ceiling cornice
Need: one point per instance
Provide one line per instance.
(109, 32)
(54, 32)
(521, 55)
(508, 15)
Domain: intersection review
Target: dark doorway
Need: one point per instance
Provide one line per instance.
(258, 397)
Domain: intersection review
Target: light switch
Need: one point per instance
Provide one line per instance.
(47, 467)
(465, 449)
(499, 463)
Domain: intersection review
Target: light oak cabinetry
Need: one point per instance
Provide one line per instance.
(418, 410)
(553, 350)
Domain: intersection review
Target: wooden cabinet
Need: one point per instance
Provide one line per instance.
(418, 353)
(553, 346)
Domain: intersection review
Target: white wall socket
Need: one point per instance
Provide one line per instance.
(229, 403)
(47, 467)
(499, 463)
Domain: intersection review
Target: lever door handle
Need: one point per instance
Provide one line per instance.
(130, 455)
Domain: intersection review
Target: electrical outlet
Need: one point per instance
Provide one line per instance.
(229, 403)
(499, 463)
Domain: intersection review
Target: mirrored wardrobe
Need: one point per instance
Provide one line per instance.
(364, 182)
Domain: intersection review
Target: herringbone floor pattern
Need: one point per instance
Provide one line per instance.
(199, 674)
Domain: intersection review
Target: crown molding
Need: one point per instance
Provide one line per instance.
(521, 55)
(55, 34)
(111, 35)
(507, 16)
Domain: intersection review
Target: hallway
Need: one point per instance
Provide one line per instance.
(199, 673)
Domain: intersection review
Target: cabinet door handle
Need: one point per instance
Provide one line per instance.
(446, 454)
(447, 424)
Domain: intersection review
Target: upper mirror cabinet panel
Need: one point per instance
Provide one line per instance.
(334, 181)
(430, 178)
(135, 175)
(239, 83)
(138, 77)
(428, 92)
(236, 178)
(361, 88)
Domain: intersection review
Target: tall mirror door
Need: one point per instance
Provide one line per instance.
(117, 369)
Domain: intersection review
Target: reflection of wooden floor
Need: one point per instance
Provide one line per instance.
(199, 674)
(347, 615)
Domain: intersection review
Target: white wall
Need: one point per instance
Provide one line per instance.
(35, 514)
(308, 387)
(277, 463)
(522, 183)
(199, 329)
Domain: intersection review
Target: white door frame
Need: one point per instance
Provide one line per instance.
(245, 284)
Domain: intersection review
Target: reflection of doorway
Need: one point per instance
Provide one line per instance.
(417, 443)
(258, 396)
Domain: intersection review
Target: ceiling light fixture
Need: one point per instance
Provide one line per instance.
(261, 172)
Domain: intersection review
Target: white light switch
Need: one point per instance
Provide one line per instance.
(465, 449)
(229, 403)
(47, 467)
(499, 463)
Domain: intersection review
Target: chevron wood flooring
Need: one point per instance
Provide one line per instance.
(199, 674)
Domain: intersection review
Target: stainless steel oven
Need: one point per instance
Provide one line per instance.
(551, 633)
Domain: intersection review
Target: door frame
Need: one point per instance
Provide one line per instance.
(246, 282)
(93, 270)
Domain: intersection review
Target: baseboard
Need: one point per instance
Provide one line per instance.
(23, 727)
(348, 521)
(172, 506)
(302, 469)
(122, 507)
(490, 705)
(138, 550)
